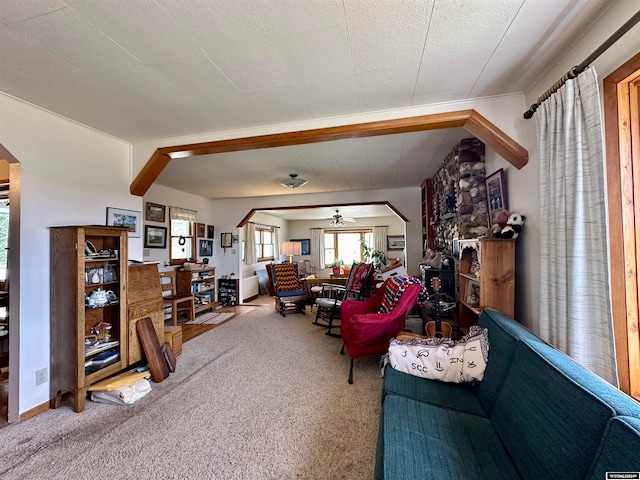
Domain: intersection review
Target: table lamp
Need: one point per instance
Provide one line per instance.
(290, 249)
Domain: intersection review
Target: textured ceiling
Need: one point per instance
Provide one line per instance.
(143, 70)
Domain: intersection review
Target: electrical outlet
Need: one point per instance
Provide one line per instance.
(42, 376)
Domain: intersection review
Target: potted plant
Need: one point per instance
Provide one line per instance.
(378, 258)
(337, 266)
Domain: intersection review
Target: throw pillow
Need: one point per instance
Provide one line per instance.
(460, 361)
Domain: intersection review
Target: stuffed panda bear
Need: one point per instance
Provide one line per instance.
(513, 227)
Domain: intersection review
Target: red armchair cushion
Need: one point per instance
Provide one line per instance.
(367, 332)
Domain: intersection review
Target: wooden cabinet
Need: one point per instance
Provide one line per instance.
(486, 278)
(201, 283)
(84, 260)
(144, 300)
(228, 292)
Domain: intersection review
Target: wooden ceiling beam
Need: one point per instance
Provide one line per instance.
(470, 120)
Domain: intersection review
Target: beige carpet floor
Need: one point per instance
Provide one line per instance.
(259, 397)
(211, 318)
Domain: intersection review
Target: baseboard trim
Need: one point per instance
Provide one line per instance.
(34, 411)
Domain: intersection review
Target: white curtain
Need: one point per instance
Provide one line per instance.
(251, 243)
(177, 213)
(317, 247)
(380, 238)
(575, 309)
(276, 243)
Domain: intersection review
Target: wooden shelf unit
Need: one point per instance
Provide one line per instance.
(72, 320)
(495, 282)
(228, 292)
(201, 282)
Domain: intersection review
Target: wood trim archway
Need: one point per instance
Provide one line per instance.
(253, 211)
(470, 120)
(622, 138)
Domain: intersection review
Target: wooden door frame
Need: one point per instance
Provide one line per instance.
(13, 413)
(621, 91)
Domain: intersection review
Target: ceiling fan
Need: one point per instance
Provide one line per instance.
(338, 220)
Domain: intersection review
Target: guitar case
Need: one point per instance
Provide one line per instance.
(155, 358)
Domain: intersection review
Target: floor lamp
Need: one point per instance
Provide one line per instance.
(290, 249)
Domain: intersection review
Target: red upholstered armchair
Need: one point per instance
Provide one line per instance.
(365, 331)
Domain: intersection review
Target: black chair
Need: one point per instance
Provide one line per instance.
(329, 301)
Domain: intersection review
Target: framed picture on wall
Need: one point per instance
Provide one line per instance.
(154, 212)
(155, 237)
(496, 193)
(210, 231)
(305, 245)
(131, 219)
(395, 242)
(226, 240)
(200, 230)
(206, 248)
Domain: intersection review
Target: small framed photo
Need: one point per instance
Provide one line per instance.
(200, 230)
(131, 219)
(226, 240)
(395, 242)
(210, 231)
(234, 239)
(472, 294)
(496, 193)
(305, 245)
(206, 248)
(155, 237)
(154, 212)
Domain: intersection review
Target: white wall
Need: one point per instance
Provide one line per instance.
(170, 197)
(230, 212)
(300, 229)
(70, 174)
(247, 270)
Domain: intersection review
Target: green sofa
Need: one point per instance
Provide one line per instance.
(535, 415)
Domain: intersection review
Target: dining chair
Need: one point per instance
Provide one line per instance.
(178, 302)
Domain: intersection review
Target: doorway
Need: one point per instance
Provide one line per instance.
(9, 287)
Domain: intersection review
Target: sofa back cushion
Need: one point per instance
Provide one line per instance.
(504, 334)
(619, 448)
(547, 414)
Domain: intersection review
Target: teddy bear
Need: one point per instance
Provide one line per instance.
(513, 227)
(498, 223)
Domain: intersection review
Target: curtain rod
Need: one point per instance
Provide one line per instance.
(578, 69)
